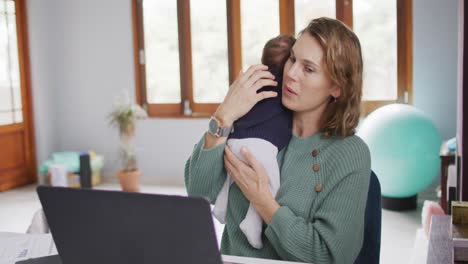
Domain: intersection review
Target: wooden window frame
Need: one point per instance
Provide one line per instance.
(27, 124)
(344, 12)
(404, 59)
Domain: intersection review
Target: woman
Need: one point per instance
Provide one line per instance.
(318, 213)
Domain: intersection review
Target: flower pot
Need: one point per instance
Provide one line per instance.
(129, 180)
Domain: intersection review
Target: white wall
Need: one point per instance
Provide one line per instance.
(42, 24)
(82, 57)
(435, 41)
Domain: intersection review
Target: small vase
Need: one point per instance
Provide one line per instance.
(129, 180)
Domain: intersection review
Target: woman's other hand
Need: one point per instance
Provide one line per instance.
(242, 94)
(252, 180)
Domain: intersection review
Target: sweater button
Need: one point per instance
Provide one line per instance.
(315, 152)
(316, 167)
(318, 187)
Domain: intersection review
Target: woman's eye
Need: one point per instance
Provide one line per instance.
(309, 70)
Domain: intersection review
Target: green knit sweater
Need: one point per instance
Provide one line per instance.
(322, 197)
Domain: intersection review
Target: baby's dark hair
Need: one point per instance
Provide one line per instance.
(276, 51)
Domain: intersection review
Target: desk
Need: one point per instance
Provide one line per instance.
(446, 159)
(39, 245)
(227, 259)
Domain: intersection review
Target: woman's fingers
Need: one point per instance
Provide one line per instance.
(256, 165)
(235, 172)
(259, 75)
(229, 167)
(241, 95)
(262, 83)
(253, 162)
(265, 95)
(232, 159)
(236, 165)
(249, 158)
(251, 70)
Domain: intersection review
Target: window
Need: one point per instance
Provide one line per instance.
(187, 52)
(379, 54)
(387, 58)
(210, 71)
(306, 10)
(260, 22)
(18, 161)
(10, 89)
(162, 59)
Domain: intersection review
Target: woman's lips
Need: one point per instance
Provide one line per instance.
(289, 91)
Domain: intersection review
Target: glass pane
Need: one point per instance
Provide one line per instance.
(5, 91)
(379, 47)
(10, 7)
(6, 118)
(4, 72)
(13, 45)
(306, 10)
(18, 116)
(209, 50)
(260, 22)
(2, 7)
(5, 98)
(161, 51)
(17, 104)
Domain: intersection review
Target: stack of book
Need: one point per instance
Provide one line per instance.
(460, 231)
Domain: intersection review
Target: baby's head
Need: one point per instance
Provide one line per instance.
(276, 53)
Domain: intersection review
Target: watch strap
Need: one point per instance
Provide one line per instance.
(224, 131)
(218, 130)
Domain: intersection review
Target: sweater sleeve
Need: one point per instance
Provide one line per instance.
(204, 171)
(335, 233)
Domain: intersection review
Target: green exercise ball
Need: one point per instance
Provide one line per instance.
(404, 144)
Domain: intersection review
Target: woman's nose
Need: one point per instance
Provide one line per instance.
(291, 71)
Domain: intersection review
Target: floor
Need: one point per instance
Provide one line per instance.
(398, 228)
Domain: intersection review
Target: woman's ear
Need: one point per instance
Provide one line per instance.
(335, 91)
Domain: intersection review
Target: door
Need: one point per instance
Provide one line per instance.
(17, 152)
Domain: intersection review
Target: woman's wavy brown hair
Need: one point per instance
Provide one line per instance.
(343, 64)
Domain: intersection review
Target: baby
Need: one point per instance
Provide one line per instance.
(264, 130)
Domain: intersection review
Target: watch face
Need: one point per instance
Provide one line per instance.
(213, 126)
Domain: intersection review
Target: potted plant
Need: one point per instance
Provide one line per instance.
(124, 117)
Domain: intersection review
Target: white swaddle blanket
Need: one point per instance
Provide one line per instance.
(265, 152)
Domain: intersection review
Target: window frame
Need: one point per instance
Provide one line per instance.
(188, 108)
(26, 126)
(24, 73)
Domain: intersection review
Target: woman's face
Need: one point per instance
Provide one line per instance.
(306, 86)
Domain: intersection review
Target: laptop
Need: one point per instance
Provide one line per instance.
(97, 226)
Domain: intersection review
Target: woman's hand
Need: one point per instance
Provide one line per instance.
(253, 181)
(242, 94)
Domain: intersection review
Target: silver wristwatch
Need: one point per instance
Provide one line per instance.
(216, 130)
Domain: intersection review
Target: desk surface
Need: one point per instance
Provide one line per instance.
(228, 259)
(32, 240)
